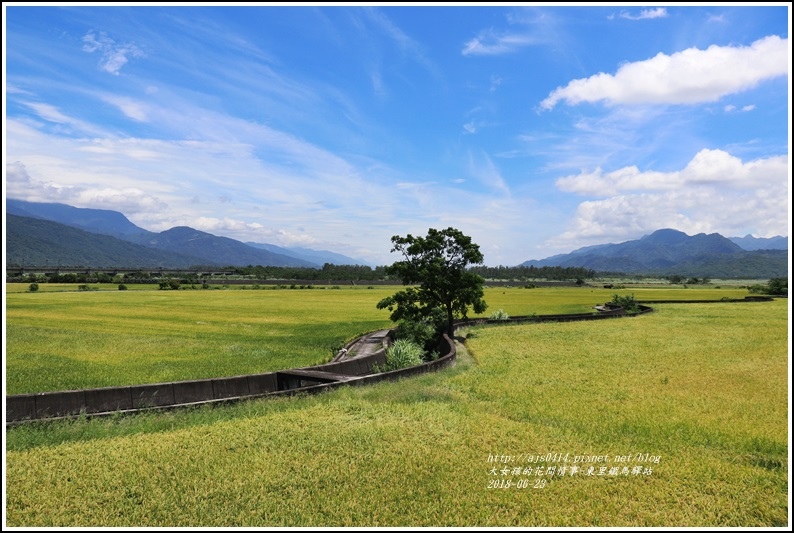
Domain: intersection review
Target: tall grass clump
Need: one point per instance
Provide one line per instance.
(403, 353)
(499, 315)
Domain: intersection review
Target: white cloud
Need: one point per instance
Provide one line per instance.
(53, 115)
(489, 42)
(706, 167)
(730, 108)
(496, 81)
(483, 169)
(114, 55)
(658, 12)
(715, 192)
(131, 108)
(688, 77)
(598, 183)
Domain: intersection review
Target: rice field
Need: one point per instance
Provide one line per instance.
(692, 401)
(71, 339)
(62, 339)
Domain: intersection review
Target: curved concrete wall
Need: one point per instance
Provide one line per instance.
(107, 400)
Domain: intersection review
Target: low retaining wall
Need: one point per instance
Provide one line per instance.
(108, 400)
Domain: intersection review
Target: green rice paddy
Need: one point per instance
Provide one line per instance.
(691, 400)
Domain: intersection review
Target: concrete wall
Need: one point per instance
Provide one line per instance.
(156, 395)
(357, 371)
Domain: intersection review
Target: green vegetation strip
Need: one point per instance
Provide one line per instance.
(703, 388)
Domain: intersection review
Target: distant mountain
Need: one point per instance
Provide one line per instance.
(205, 247)
(669, 251)
(218, 250)
(748, 242)
(39, 242)
(101, 221)
(318, 257)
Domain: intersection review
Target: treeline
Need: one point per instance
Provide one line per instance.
(327, 272)
(521, 273)
(362, 272)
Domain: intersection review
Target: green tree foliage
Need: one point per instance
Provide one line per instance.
(551, 273)
(438, 264)
(777, 286)
(628, 303)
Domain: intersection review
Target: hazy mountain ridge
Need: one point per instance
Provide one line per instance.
(40, 242)
(210, 247)
(204, 247)
(669, 251)
(748, 242)
(319, 257)
(101, 221)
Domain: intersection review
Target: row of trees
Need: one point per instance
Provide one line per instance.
(327, 272)
(527, 273)
(363, 272)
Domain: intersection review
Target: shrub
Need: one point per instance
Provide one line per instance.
(499, 315)
(778, 286)
(170, 284)
(421, 332)
(402, 354)
(33, 287)
(122, 287)
(628, 303)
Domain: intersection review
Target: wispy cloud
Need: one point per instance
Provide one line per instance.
(655, 13)
(52, 114)
(730, 108)
(405, 42)
(688, 77)
(482, 168)
(490, 42)
(113, 55)
(131, 108)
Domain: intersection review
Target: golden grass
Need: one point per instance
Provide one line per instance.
(704, 387)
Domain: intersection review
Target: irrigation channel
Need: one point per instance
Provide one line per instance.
(355, 364)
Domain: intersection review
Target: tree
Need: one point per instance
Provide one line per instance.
(777, 286)
(438, 263)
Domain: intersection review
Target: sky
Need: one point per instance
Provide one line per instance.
(533, 129)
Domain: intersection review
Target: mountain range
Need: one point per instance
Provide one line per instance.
(178, 247)
(669, 251)
(39, 234)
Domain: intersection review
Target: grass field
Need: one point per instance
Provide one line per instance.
(697, 393)
(71, 340)
(62, 339)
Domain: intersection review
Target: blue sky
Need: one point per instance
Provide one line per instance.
(535, 130)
